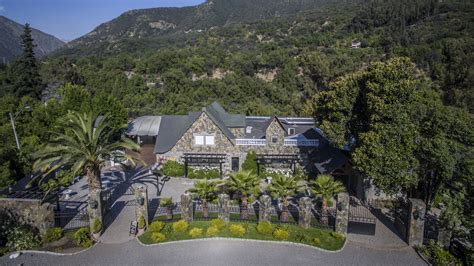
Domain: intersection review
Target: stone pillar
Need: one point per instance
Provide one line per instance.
(444, 237)
(416, 222)
(224, 209)
(95, 209)
(187, 207)
(305, 206)
(342, 213)
(141, 197)
(265, 210)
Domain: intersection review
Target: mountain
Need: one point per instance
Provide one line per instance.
(159, 22)
(10, 42)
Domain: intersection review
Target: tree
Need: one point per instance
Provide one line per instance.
(206, 191)
(83, 149)
(372, 112)
(27, 81)
(243, 184)
(326, 187)
(250, 163)
(283, 186)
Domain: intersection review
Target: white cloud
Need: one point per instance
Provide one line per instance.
(2, 8)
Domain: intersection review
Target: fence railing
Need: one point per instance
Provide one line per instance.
(250, 142)
(301, 142)
(253, 211)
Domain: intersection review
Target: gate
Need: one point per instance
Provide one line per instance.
(361, 219)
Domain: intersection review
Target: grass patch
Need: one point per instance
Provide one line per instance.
(325, 239)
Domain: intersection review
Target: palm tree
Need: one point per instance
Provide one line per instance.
(206, 191)
(83, 149)
(283, 186)
(243, 183)
(326, 187)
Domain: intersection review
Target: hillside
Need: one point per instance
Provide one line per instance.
(10, 41)
(160, 22)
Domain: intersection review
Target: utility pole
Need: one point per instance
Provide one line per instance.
(14, 132)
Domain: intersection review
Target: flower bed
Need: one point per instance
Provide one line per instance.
(321, 238)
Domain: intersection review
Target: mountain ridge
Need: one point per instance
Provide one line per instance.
(165, 21)
(10, 43)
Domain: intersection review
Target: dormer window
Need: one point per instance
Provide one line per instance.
(248, 130)
(291, 131)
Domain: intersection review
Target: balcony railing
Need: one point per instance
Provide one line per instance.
(250, 142)
(301, 142)
(287, 142)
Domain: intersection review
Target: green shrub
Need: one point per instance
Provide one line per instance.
(250, 163)
(316, 241)
(218, 223)
(52, 234)
(337, 236)
(166, 202)
(212, 231)
(437, 255)
(237, 230)
(141, 222)
(82, 237)
(265, 228)
(173, 168)
(195, 232)
(158, 237)
(202, 174)
(156, 226)
(22, 238)
(96, 225)
(281, 234)
(180, 226)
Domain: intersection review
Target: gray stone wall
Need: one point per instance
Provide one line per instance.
(31, 212)
(223, 145)
(342, 213)
(416, 222)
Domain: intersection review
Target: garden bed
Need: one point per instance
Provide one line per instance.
(325, 239)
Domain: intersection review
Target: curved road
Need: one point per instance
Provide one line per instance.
(221, 252)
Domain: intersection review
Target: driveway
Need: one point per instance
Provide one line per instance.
(221, 252)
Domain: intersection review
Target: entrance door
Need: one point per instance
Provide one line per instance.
(235, 164)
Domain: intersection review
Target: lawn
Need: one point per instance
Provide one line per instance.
(322, 238)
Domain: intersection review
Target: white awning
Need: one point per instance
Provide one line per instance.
(144, 126)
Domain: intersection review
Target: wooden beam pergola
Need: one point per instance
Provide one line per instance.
(203, 159)
(266, 159)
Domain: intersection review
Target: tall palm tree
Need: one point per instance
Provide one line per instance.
(83, 148)
(243, 183)
(282, 187)
(326, 187)
(206, 190)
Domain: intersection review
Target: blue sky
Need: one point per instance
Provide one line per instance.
(69, 19)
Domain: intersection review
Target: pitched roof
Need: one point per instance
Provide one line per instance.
(327, 158)
(229, 120)
(144, 126)
(172, 128)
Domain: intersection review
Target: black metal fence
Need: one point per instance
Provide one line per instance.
(318, 219)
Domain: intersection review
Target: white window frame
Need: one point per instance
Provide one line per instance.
(207, 139)
(291, 129)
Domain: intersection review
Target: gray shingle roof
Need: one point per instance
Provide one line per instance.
(172, 128)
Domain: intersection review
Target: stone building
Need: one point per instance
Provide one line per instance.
(213, 137)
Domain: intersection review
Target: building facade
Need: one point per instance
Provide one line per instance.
(214, 138)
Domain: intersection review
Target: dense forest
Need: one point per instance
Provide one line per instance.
(300, 64)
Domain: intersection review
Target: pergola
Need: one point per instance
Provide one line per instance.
(205, 159)
(266, 159)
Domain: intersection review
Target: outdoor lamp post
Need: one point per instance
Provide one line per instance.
(12, 121)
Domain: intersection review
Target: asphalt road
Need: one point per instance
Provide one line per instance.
(221, 252)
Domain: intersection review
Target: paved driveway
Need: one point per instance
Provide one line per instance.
(221, 252)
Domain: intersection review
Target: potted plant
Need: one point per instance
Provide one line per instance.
(141, 223)
(96, 228)
(168, 204)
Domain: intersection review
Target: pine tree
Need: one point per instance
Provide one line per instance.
(27, 79)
